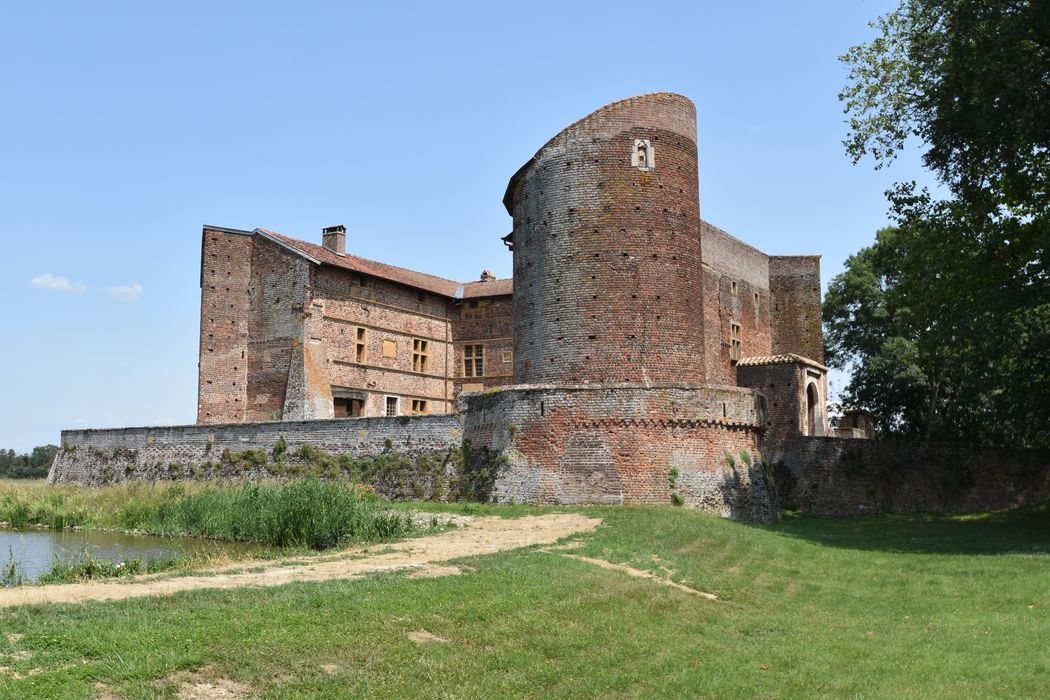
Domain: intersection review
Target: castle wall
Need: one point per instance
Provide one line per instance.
(797, 320)
(278, 292)
(222, 385)
(427, 448)
(393, 316)
(621, 444)
(729, 263)
(840, 476)
(488, 322)
(607, 282)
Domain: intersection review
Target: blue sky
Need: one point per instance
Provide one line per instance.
(126, 126)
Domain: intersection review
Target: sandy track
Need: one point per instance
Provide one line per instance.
(487, 535)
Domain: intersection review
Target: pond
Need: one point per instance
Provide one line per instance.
(34, 551)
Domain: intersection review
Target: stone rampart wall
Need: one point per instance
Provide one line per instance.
(409, 457)
(840, 476)
(620, 444)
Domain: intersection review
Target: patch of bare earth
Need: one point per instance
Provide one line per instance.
(205, 684)
(479, 536)
(424, 637)
(639, 573)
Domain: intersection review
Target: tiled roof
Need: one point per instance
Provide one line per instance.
(787, 358)
(392, 273)
(491, 288)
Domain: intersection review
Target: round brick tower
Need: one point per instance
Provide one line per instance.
(606, 241)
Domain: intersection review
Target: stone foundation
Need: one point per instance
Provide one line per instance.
(629, 443)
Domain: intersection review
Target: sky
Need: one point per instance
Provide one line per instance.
(125, 127)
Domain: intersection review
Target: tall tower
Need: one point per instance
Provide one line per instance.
(606, 241)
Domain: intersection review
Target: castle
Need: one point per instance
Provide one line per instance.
(617, 280)
(627, 311)
(639, 355)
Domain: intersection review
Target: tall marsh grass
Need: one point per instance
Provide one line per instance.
(309, 513)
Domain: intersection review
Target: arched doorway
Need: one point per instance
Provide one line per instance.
(814, 415)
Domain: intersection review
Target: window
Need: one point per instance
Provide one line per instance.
(361, 346)
(389, 348)
(361, 286)
(476, 308)
(736, 345)
(419, 407)
(643, 156)
(473, 360)
(508, 356)
(733, 285)
(348, 408)
(420, 355)
(391, 406)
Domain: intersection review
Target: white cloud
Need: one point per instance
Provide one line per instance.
(57, 283)
(126, 292)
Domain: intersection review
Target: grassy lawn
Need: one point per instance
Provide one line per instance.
(888, 606)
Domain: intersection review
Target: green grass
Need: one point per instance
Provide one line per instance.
(302, 513)
(87, 568)
(889, 607)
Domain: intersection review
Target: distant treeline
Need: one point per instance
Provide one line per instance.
(34, 465)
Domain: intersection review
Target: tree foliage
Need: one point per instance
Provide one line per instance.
(34, 465)
(945, 320)
(971, 80)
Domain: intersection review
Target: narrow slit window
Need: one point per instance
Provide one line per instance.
(420, 355)
(736, 345)
(473, 360)
(361, 346)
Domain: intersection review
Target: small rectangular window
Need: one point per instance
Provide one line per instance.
(420, 355)
(389, 348)
(361, 286)
(508, 356)
(733, 284)
(391, 406)
(736, 345)
(476, 308)
(473, 360)
(361, 346)
(419, 407)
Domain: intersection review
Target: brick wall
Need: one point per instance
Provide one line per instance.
(736, 290)
(278, 293)
(488, 322)
(393, 316)
(432, 444)
(620, 444)
(794, 283)
(839, 476)
(222, 386)
(607, 283)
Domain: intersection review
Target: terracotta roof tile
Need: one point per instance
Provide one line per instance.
(392, 273)
(491, 288)
(787, 358)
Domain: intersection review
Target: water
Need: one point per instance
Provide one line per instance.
(35, 551)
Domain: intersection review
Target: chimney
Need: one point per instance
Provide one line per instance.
(334, 238)
(487, 276)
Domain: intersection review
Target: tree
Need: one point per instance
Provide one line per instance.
(971, 80)
(944, 319)
(34, 465)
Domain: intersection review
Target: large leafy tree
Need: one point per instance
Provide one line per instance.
(945, 320)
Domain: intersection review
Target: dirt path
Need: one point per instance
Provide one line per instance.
(487, 535)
